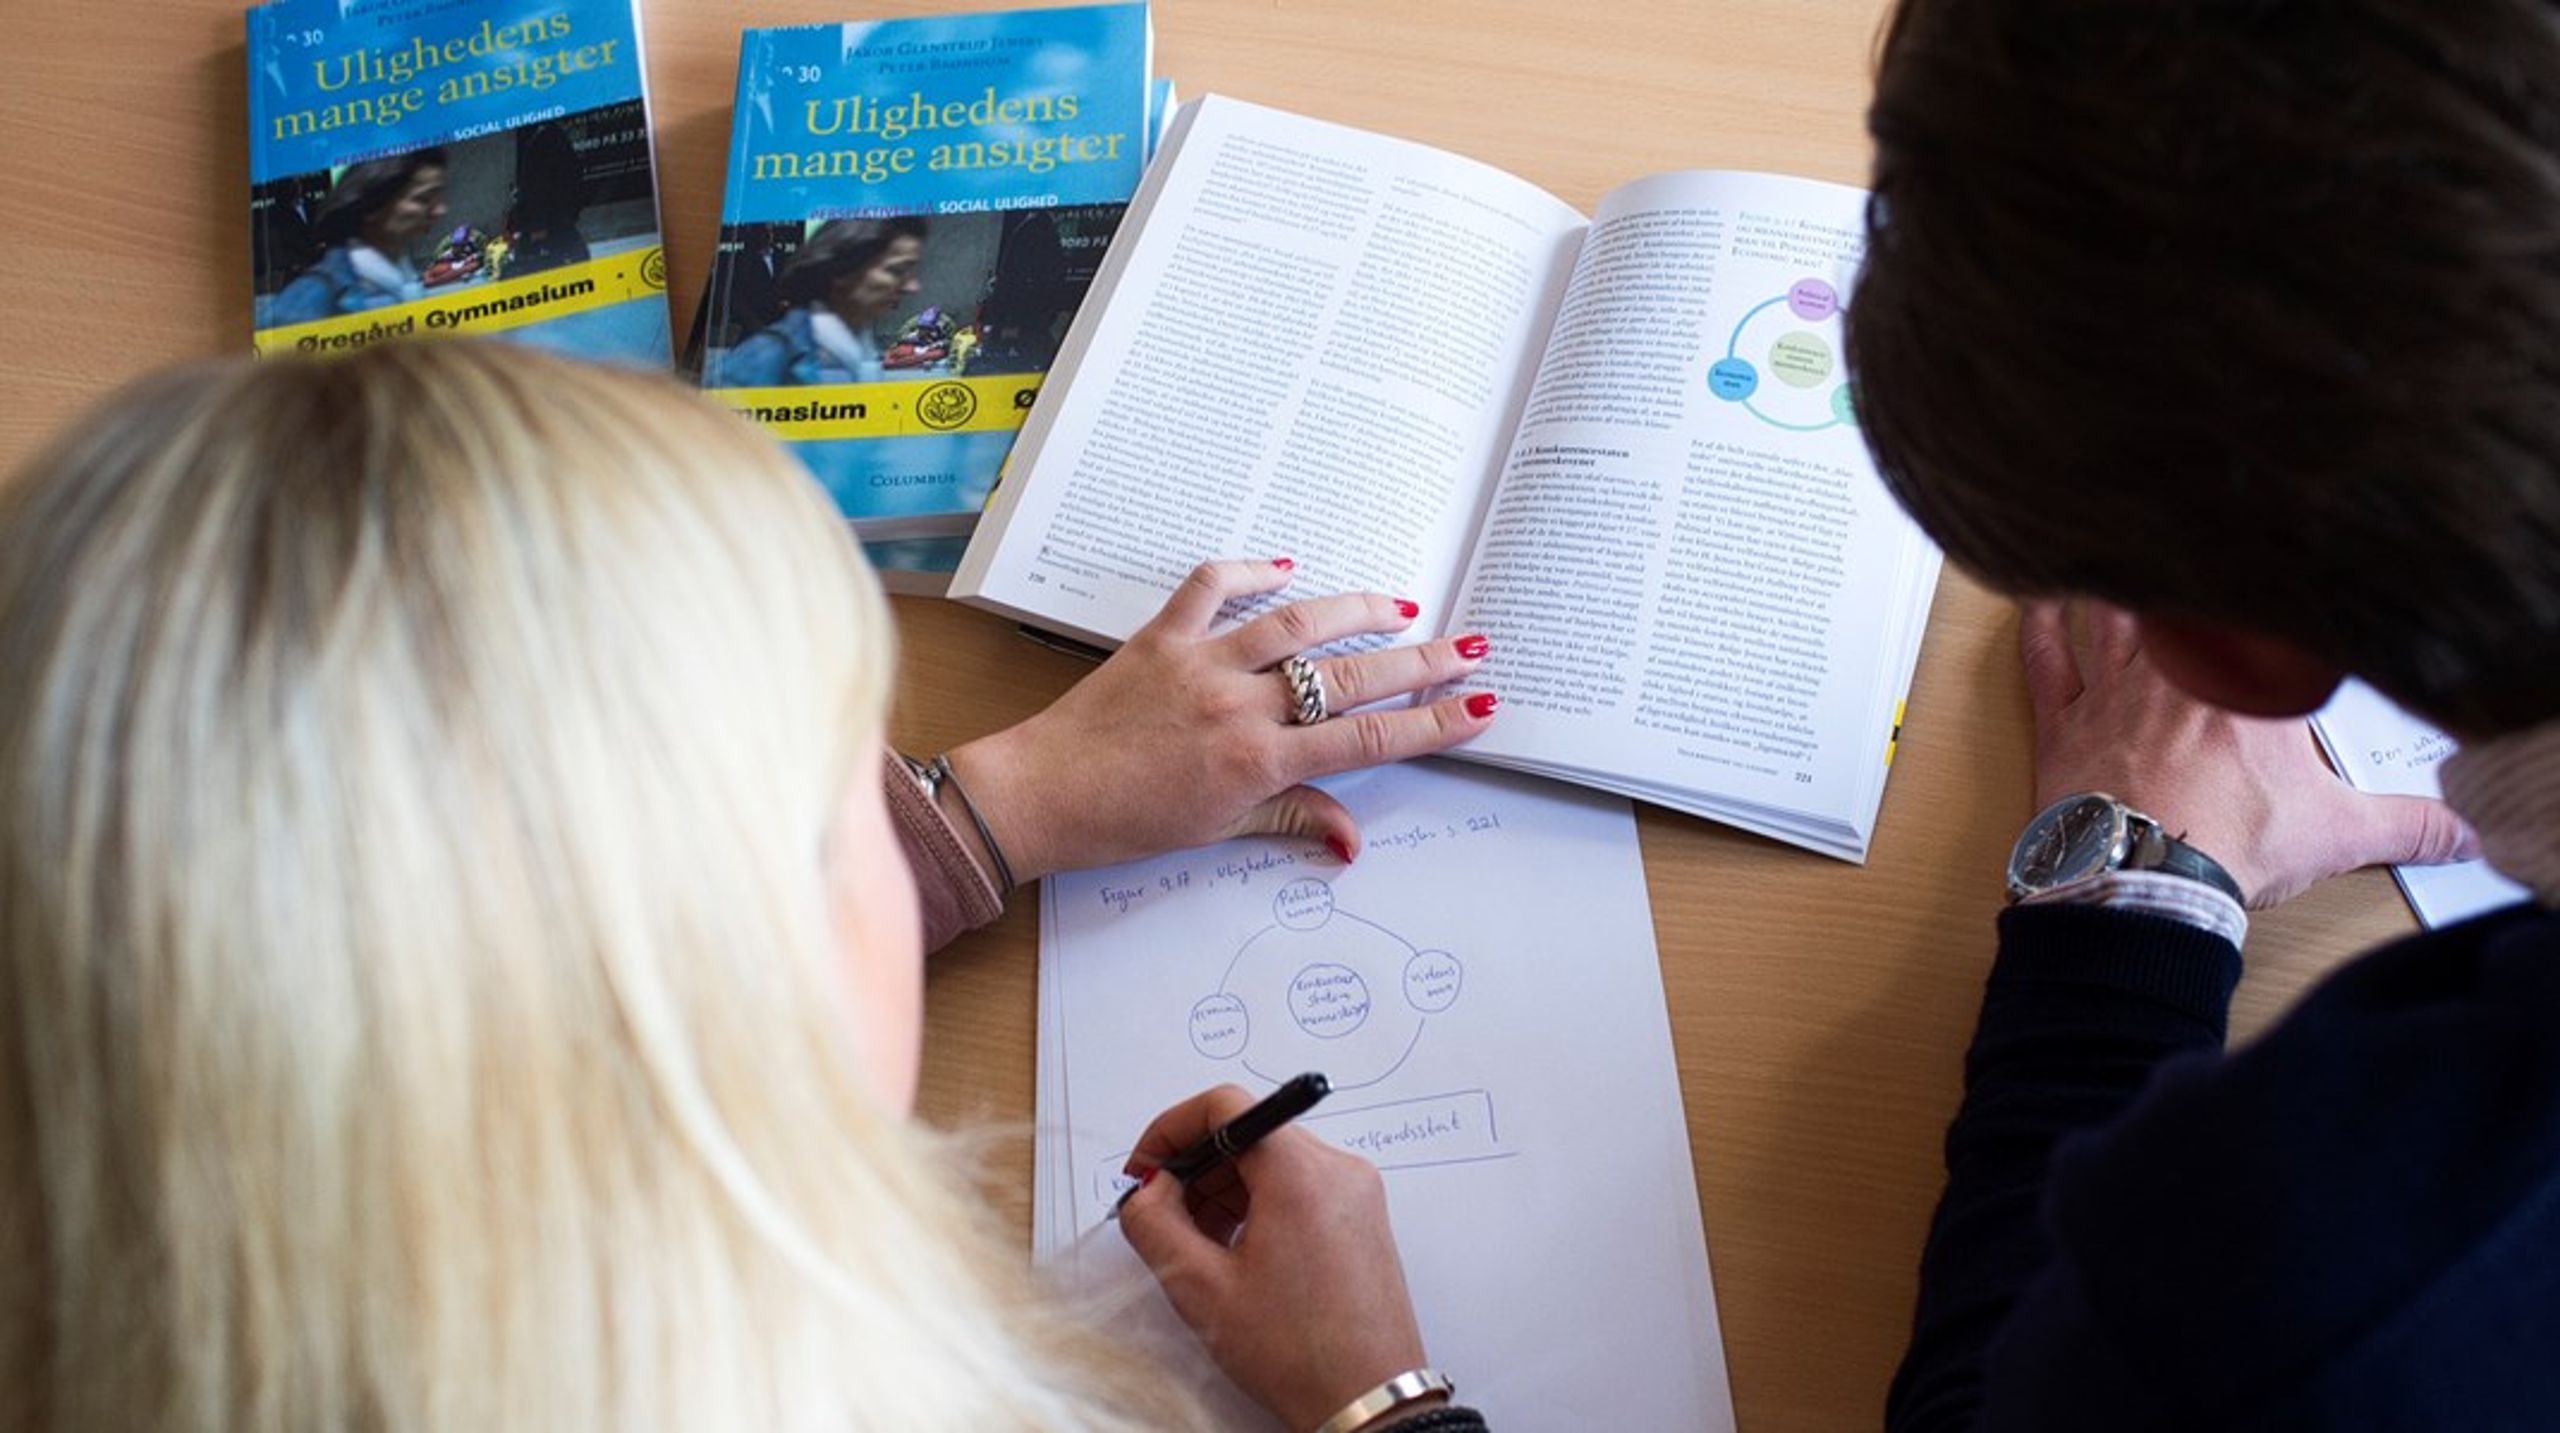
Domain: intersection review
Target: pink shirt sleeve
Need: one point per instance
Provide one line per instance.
(955, 895)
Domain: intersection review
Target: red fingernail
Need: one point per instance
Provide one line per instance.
(1340, 848)
(1481, 705)
(1284, 563)
(1408, 610)
(1473, 647)
(1148, 1173)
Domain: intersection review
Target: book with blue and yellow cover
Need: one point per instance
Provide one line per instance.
(914, 210)
(424, 167)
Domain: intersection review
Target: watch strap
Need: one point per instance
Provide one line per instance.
(2177, 858)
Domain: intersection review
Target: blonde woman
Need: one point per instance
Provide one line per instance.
(459, 971)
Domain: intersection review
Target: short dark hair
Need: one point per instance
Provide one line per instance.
(840, 247)
(365, 189)
(2241, 312)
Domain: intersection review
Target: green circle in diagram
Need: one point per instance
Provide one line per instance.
(1844, 403)
(1800, 360)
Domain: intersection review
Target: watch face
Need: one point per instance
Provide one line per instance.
(2071, 840)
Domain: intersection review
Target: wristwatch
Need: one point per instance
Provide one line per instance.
(2080, 838)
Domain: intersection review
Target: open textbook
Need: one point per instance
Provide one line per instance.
(2379, 748)
(1622, 447)
(1483, 992)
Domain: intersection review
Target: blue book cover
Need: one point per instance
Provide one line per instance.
(914, 210)
(421, 167)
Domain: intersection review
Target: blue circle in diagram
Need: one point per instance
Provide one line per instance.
(1736, 379)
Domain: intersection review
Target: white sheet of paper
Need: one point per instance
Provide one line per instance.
(1483, 990)
(2382, 749)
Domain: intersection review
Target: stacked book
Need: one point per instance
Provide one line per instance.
(474, 168)
(914, 210)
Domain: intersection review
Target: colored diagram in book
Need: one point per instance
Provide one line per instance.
(1323, 989)
(1784, 362)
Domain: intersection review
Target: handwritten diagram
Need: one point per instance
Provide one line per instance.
(1322, 989)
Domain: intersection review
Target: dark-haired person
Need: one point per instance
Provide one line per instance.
(840, 284)
(2243, 320)
(374, 216)
(550, 194)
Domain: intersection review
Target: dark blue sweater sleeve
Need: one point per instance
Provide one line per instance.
(2082, 1006)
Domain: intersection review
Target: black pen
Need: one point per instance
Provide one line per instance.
(1229, 1141)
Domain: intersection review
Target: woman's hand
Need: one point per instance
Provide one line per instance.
(2251, 792)
(1282, 1262)
(1184, 736)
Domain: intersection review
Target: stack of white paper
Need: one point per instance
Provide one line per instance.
(1483, 992)
(2379, 748)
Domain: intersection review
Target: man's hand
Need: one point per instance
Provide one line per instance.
(2252, 793)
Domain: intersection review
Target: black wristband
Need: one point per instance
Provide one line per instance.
(1451, 1419)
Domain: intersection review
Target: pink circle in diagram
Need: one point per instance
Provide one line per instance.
(1812, 300)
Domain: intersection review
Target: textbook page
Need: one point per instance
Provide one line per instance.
(1306, 342)
(1695, 583)
(1483, 990)
(2379, 748)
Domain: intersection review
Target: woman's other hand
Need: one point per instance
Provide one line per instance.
(1282, 1262)
(1185, 735)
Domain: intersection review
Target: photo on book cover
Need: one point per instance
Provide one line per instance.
(832, 303)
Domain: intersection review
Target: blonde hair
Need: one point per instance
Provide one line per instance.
(421, 1007)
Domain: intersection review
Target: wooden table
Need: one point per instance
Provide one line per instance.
(1820, 1009)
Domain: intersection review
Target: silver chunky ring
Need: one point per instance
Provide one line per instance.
(1306, 691)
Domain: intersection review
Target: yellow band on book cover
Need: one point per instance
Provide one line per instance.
(483, 308)
(898, 408)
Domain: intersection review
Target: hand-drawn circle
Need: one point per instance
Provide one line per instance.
(1733, 379)
(1432, 980)
(1328, 1001)
(1303, 905)
(1800, 360)
(1220, 1026)
(945, 406)
(1813, 300)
